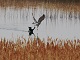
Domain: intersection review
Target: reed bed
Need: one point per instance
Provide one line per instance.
(36, 49)
(49, 4)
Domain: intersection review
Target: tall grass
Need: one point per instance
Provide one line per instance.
(49, 4)
(36, 49)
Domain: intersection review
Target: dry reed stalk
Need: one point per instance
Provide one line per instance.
(49, 4)
(36, 49)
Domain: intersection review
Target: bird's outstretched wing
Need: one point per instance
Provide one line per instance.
(41, 18)
(34, 20)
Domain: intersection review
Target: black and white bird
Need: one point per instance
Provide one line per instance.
(31, 31)
(37, 23)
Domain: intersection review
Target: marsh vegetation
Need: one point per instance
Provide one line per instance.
(37, 49)
(61, 4)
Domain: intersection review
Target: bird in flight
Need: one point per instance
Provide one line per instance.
(39, 20)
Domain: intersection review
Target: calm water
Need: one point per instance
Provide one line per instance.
(57, 24)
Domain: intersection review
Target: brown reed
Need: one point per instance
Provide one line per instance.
(49, 4)
(36, 49)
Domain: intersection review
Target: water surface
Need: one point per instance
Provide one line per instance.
(57, 23)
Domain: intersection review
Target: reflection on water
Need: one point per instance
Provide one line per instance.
(57, 24)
